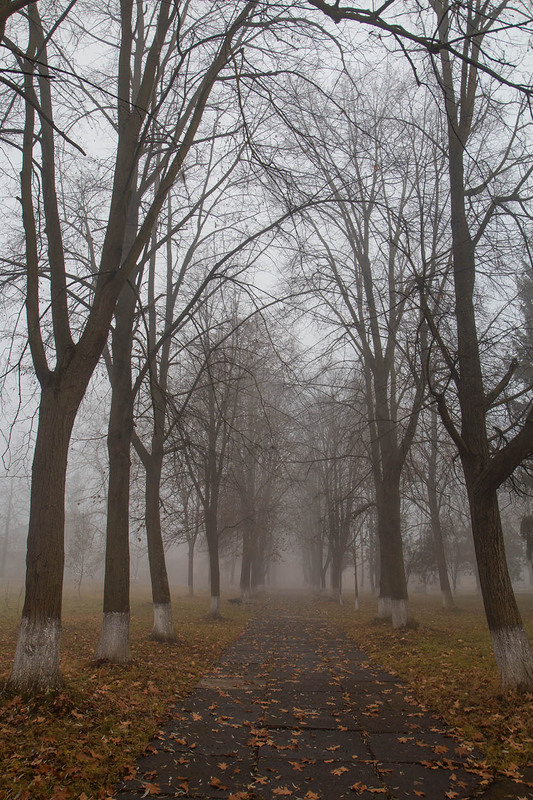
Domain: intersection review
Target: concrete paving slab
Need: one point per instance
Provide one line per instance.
(328, 781)
(411, 747)
(297, 710)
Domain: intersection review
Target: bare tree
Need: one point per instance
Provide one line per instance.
(63, 384)
(361, 278)
(485, 467)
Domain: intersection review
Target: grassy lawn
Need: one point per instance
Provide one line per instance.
(76, 744)
(449, 665)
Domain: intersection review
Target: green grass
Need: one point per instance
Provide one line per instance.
(77, 743)
(448, 662)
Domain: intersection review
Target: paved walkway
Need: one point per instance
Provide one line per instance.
(296, 710)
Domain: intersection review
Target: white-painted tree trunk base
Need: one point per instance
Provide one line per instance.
(384, 608)
(356, 603)
(36, 664)
(399, 613)
(114, 644)
(513, 657)
(163, 630)
(215, 606)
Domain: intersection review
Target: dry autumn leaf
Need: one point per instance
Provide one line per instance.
(296, 765)
(282, 790)
(60, 793)
(339, 771)
(216, 783)
(151, 789)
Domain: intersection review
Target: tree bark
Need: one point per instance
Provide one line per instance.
(114, 640)
(36, 664)
(246, 564)
(510, 642)
(190, 567)
(5, 542)
(336, 577)
(163, 629)
(211, 532)
(434, 511)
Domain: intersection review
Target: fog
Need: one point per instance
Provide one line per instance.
(267, 310)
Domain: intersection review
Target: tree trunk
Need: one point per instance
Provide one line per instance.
(393, 598)
(5, 543)
(211, 532)
(356, 583)
(163, 630)
(114, 640)
(436, 527)
(509, 639)
(190, 566)
(336, 577)
(510, 642)
(246, 565)
(36, 664)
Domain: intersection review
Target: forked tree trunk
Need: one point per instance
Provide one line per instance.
(36, 664)
(509, 639)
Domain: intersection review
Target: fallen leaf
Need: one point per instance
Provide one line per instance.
(60, 793)
(282, 790)
(339, 771)
(296, 765)
(151, 789)
(216, 783)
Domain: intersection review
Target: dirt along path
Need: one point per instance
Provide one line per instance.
(295, 710)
